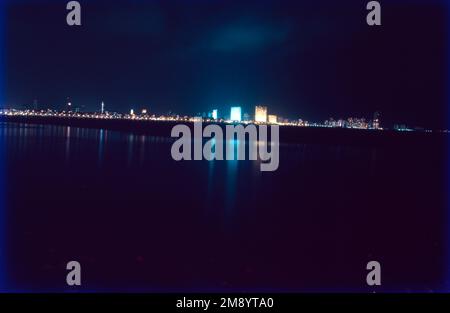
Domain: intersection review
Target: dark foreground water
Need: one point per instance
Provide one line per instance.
(138, 221)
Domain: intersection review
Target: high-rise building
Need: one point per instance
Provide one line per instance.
(69, 104)
(376, 120)
(103, 107)
(214, 114)
(261, 114)
(235, 114)
(273, 119)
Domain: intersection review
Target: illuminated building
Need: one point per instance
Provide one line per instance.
(359, 123)
(261, 114)
(69, 104)
(235, 114)
(376, 120)
(272, 119)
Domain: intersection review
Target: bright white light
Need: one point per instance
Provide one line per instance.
(235, 114)
(261, 114)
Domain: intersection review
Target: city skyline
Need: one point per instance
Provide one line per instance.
(235, 115)
(262, 114)
(308, 59)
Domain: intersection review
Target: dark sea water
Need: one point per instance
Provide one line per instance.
(137, 220)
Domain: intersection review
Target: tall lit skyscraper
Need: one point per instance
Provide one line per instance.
(214, 114)
(69, 104)
(235, 114)
(261, 114)
(103, 107)
(273, 119)
(376, 120)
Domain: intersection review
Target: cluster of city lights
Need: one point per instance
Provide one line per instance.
(235, 115)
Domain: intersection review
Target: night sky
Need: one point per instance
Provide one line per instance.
(303, 59)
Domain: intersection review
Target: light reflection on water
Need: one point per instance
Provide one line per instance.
(116, 198)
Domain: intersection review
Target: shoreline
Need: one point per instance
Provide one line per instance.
(288, 134)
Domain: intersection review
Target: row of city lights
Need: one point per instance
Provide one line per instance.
(261, 116)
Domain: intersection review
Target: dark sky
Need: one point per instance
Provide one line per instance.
(303, 59)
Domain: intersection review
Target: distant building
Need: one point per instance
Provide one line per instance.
(261, 114)
(214, 114)
(376, 120)
(359, 123)
(69, 104)
(272, 119)
(236, 114)
(401, 127)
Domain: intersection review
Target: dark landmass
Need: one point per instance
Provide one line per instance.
(288, 134)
